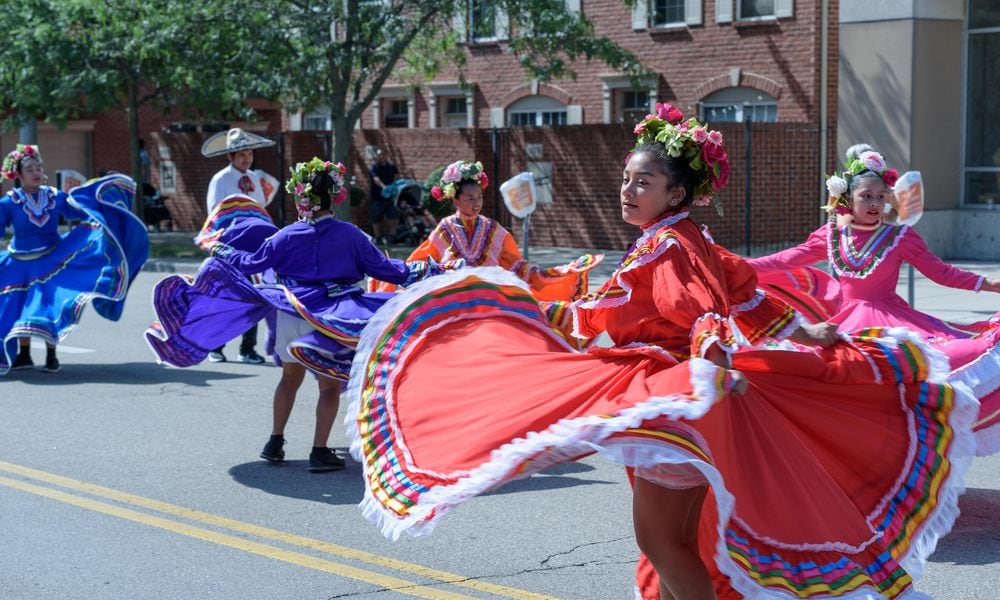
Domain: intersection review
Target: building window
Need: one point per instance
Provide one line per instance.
(536, 111)
(738, 104)
(756, 9)
(483, 19)
(454, 112)
(668, 12)
(982, 129)
(397, 113)
(537, 118)
(633, 106)
(317, 121)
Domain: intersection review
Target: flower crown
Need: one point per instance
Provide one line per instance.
(691, 140)
(454, 174)
(298, 185)
(837, 185)
(10, 162)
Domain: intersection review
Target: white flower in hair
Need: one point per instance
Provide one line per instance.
(872, 161)
(836, 186)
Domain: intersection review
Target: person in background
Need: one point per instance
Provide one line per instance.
(236, 178)
(382, 212)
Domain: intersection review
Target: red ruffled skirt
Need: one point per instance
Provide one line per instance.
(833, 476)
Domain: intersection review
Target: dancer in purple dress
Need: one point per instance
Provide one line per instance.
(314, 310)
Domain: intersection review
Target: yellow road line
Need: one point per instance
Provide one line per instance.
(303, 560)
(273, 534)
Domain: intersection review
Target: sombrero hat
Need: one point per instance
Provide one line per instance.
(233, 140)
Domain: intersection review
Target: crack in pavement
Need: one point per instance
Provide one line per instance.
(575, 548)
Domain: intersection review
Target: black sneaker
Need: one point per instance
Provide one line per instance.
(51, 365)
(22, 361)
(252, 358)
(273, 451)
(322, 460)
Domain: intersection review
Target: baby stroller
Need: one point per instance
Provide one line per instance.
(415, 223)
(154, 209)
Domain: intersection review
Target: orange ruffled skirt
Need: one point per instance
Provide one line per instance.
(833, 476)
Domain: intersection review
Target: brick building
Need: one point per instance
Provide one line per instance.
(726, 61)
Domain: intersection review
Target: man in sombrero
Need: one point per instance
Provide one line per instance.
(238, 178)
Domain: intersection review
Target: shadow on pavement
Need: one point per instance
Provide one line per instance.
(975, 539)
(293, 479)
(137, 373)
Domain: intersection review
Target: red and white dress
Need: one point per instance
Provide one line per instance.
(833, 476)
(867, 264)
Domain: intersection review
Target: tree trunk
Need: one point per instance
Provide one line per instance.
(342, 143)
(133, 137)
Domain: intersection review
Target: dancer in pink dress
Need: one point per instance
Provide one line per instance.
(866, 255)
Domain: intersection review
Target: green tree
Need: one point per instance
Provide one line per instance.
(66, 58)
(341, 52)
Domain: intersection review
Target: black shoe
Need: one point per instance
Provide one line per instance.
(322, 460)
(22, 361)
(51, 365)
(273, 449)
(252, 358)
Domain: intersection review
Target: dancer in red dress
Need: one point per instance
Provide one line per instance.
(480, 241)
(767, 473)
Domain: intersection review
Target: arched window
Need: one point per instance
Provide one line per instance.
(736, 104)
(536, 110)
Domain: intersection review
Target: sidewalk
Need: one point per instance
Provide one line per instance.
(929, 297)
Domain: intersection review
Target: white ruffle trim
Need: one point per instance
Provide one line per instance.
(988, 440)
(981, 375)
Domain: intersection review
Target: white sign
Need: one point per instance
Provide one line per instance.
(269, 185)
(909, 198)
(519, 194)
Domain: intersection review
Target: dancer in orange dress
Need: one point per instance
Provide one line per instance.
(482, 242)
(761, 473)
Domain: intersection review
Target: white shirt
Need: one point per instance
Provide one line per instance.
(226, 182)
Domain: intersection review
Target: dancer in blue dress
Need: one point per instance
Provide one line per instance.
(46, 279)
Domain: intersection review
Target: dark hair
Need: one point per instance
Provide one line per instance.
(463, 183)
(677, 169)
(856, 179)
(322, 184)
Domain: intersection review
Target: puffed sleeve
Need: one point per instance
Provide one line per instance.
(250, 263)
(67, 210)
(757, 314)
(688, 294)
(812, 251)
(916, 252)
(375, 264)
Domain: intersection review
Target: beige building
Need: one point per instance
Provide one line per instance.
(920, 80)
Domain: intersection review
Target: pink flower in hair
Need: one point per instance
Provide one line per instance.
(640, 128)
(668, 113)
(341, 196)
(437, 193)
(452, 172)
(484, 181)
(872, 161)
(715, 137)
(703, 201)
(699, 134)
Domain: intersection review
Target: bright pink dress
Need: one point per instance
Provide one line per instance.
(867, 264)
(460, 384)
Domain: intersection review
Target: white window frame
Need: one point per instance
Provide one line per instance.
(614, 82)
(667, 24)
(437, 102)
(739, 105)
(390, 93)
(501, 24)
(782, 10)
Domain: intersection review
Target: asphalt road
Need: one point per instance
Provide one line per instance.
(120, 478)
